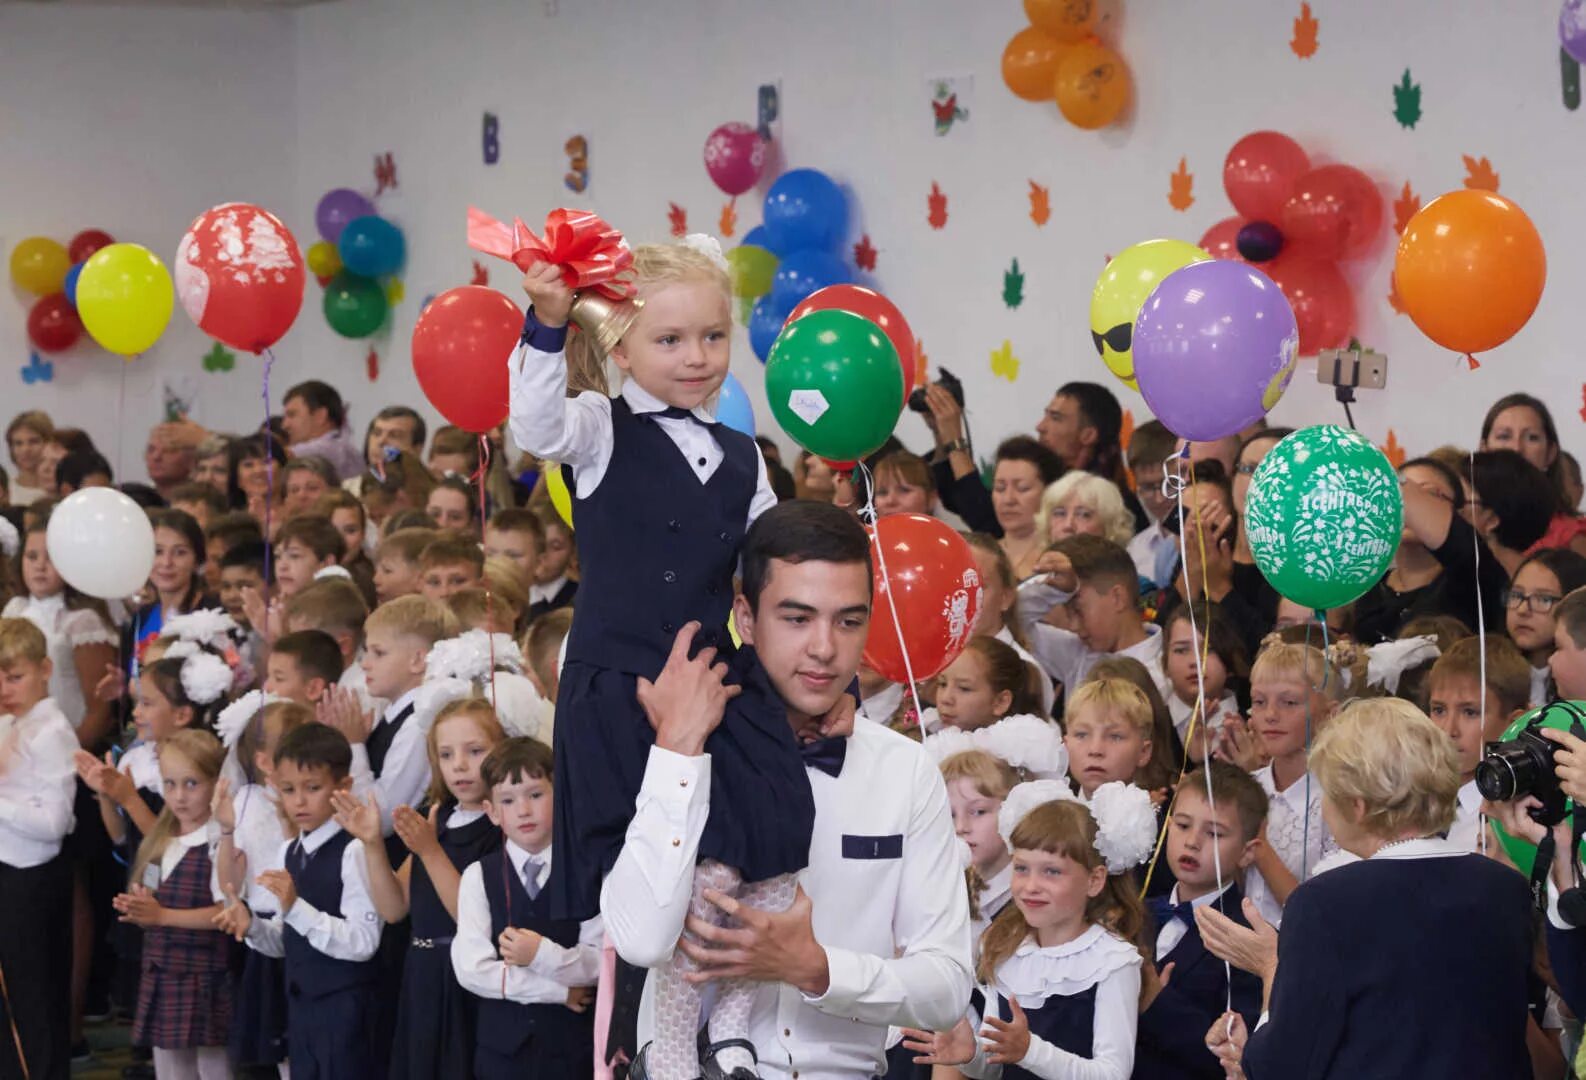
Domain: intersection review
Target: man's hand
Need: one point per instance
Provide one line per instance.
(280, 883)
(766, 946)
(688, 698)
(1226, 1040)
(1569, 762)
(518, 946)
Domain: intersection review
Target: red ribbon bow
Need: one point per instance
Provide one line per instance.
(591, 254)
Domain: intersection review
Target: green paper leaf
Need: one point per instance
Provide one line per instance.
(1013, 285)
(1407, 101)
(219, 358)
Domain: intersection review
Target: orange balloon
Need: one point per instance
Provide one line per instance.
(1470, 270)
(1029, 63)
(1066, 20)
(1092, 85)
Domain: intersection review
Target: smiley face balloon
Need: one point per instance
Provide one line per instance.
(1121, 292)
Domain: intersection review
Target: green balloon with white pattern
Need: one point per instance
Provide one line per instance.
(1323, 516)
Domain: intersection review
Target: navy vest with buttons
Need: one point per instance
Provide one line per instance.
(531, 1035)
(656, 547)
(309, 972)
(1067, 1022)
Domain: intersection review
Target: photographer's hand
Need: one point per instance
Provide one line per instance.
(1569, 762)
(947, 422)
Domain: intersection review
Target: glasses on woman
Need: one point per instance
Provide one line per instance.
(1539, 602)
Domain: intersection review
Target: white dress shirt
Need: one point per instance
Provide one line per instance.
(1296, 833)
(406, 775)
(1466, 833)
(38, 782)
(353, 935)
(142, 763)
(1174, 929)
(544, 594)
(1033, 974)
(64, 631)
(1146, 549)
(577, 431)
(1218, 713)
(259, 837)
(881, 705)
(895, 930)
(1067, 658)
(339, 448)
(995, 894)
(555, 968)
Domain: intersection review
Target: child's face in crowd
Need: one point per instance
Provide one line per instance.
(394, 576)
(305, 793)
(1103, 747)
(461, 745)
(1052, 892)
(233, 580)
(965, 698)
(975, 823)
(392, 663)
(995, 598)
(1454, 704)
(444, 465)
(1532, 628)
(23, 684)
(1016, 495)
(1183, 654)
(303, 489)
(175, 562)
(448, 509)
(556, 556)
(441, 580)
(521, 549)
(295, 566)
(895, 495)
(154, 715)
(38, 573)
(1278, 712)
(521, 809)
(677, 350)
(1199, 842)
(1148, 486)
(1100, 613)
(187, 791)
(285, 677)
(349, 523)
(1567, 665)
(27, 449)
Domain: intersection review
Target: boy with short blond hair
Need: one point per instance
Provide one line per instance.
(1107, 725)
(450, 562)
(1455, 703)
(397, 563)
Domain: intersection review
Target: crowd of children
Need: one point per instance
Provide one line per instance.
(336, 792)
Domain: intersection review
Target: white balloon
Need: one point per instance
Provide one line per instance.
(101, 543)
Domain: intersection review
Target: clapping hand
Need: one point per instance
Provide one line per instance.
(420, 834)
(339, 709)
(953, 1047)
(361, 818)
(1008, 1040)
(223, 807)
(280, 883)
(234, 918)
(139, 907)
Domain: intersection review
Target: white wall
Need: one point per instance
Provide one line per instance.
(279, 108)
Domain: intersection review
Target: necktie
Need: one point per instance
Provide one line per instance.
(1164, 911)
(825, 754)
(531, 877)
(297, 858)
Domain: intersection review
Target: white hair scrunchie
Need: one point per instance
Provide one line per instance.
(1125, 818)
(708, 246)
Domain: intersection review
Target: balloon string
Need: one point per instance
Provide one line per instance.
(121, 416)
(1481, 636)
(269, 484)
(867, 514)
(490, 611)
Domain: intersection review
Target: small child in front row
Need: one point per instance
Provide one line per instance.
(526, 968)
(435, 1020)
(330, 929)
(1209, 845)
(184, 992)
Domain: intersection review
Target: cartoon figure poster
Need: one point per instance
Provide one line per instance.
(951, 97)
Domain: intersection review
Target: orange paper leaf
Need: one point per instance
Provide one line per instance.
(921, 362)
(1040, 203)
(1180, 192)
(1304, 41)
(1392, 450)
(728, 223)
(1404, 208)
(936, 205)
(678, 218)
(1479, 174)
(1126, 429)
(1393, 296)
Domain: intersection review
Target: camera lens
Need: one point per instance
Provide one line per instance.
(1507, 771)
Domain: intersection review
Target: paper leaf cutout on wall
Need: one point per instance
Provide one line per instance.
(1013, 286)
(1040, 203)
(865, 254)
(385, 176)
(395, 291)
(1407, 101)
(677, 219)
(1404, 208)
(481, 274)
(371, 364)
(1392, 450)
(1181, 187)
(1393, 296)
(38, 370)
(492, 139)
(1126, 428)
(727, 224)
(219, 358)
(1303, 43)
(1583, 401)
(936, 206)
(922, 362)
(1479, 174)
(1004, 365)
(1569, 73)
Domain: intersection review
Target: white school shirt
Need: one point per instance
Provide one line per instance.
(354, 935)
(554, 969)
(1180, 712)
(38, 781)
(406, 775)
(576, 431)
(64, 631)
(1539, 685)
(1061, 652)
(994, 896)
(259, 836)
(1465, 832)
(1146, 548)
(141, 762)
(1174, 929)
(880, 706)
(893, 917)
(1297, 834)
(1033, 974)
(544, 594)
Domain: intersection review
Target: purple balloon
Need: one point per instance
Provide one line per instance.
(1214, 348)
(1259, 241)
(1572, 29)
(337, 208)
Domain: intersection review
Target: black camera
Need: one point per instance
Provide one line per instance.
(1523, 766)
(947, 381)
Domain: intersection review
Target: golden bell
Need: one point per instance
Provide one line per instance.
(603, 319)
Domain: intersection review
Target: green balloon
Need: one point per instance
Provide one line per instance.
(354, 306)
(752, 268)
(1522, 852)
(835, 384)
(1323, 516)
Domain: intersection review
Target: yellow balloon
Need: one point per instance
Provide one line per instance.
(561, 498)
(732, 630)
(1121, 292)
(125, 298)
(323, 259)
(39, 265)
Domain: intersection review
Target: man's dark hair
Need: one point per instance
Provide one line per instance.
(515, 759)
(800, 531)
(314, 746)
(315, 652)
(402, 412)
(1518, 492)
(318, 395)
(1023, 448)
(79, 465)
(143, 494)
(234, 528)
(1102, 412)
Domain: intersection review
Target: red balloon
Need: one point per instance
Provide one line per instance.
(932, 580)
(1323, 306)
(1221, 241)
(867, 304)
(239, 275)
(53, 324)
(1259, 174)
(86, 243)
(1334, 213)
(460, 349)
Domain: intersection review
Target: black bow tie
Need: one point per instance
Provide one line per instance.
(677, 412)
(1166, 911)
(825, 754)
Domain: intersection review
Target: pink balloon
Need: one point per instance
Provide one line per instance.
(1260, 171)
(735, 157)
(1222, 239)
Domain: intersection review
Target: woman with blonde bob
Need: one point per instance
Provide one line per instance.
(1082, 502)
(1346, 986)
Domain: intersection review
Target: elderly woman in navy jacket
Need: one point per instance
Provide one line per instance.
(1347, 995)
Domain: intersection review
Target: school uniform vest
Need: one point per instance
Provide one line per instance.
(527, 1033)
(656, 548)
(309, 972)
(1066, 1021)
(463, 846)
(378, 744)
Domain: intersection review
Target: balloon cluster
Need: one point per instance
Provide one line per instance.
(735, 157)
(1058, 56)
(50, 271)
(792, 253)
(1297, 222)
(357, 247)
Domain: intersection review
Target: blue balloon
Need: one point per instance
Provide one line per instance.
(803, 272)
(765, 323)
(71, 283)
(758, 237)
(371, 246)
(804, 209)
(733, 407)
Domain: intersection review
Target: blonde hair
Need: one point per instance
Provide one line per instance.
(1400, 765)
(543, 643)
(480, 712)
(21, 643)
(653, 264)
(1099, 494)
(503, 578)
(205, 752)
(992, 776)
(1303, 663)
(1161, 770)
(413, 616)
(406, 544)
(1115, 697)
(331, 604)
(1508, 672)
